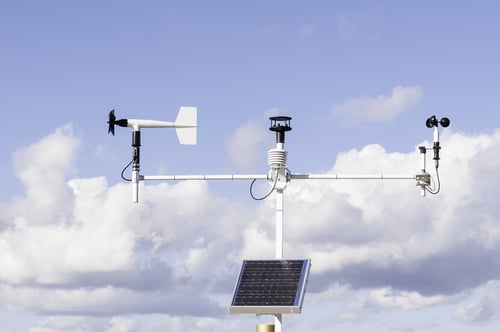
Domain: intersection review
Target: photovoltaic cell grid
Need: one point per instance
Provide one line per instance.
(270, 286)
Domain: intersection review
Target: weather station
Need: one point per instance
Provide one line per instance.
(269, 287)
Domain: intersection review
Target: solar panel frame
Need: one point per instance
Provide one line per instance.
(273, 286)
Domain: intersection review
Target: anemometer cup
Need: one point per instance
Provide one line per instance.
(433, 122)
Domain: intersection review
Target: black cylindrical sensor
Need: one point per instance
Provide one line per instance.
(280, 124)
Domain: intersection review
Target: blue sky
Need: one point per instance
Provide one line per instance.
(359, 79)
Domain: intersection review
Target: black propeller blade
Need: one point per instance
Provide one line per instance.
(111, 122)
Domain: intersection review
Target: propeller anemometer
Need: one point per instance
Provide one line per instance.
(112, 121)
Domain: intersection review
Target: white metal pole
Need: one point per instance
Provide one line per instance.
(277, 322)
(279, 224)
(136, 163)
(423, 162)
(352, 176)
(203, 177)
(135, 186)
(279, 245)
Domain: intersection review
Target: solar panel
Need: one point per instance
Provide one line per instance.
(270, 286)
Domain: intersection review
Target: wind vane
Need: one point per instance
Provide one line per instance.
(185, 128)
(261, 288)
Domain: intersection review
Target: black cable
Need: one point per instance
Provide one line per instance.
(125, 168)
(268, 194)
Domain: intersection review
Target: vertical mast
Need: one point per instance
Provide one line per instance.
(279, 177)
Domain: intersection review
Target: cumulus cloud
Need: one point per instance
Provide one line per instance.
(42, 168)
(179, 250)
(383, 234)
(86, 324)
(378, 109)
(88, 251)
(482, 306)
(478, 311)
(244, 146)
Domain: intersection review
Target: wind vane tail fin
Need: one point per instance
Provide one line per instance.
(185, 125)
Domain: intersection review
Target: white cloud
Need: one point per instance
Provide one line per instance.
(87, 324)
(205, 324)
(478, 311)
(120, 324)
(381, 233)
(106, 255)
(378, 109)
(183, 243)
(68, 323)
(387, 297)
(42, 168)
(244, 145)
(482, 306)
